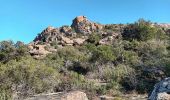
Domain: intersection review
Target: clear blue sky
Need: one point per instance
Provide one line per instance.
(24, 19)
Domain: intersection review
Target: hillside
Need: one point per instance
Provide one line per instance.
(121, 61)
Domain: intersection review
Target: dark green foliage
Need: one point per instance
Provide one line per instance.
(130, 58)
(141, 30)
(9, 50)
(167, 68)
(94, 38)
(103, 53)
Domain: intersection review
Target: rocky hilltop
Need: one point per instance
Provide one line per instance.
(76, 34)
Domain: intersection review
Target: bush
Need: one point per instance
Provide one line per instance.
(141, 30)
(74, 81)
(28, 76)
(153, 53)
(117, 73)
(131, 45)
(131, 58)
(5, 94)
(94, 38)
(10, 51)
(103, 53)
(72, 54)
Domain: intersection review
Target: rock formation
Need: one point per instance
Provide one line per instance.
(76, 34)
(79, 41)
(38, 50)
(161, 90)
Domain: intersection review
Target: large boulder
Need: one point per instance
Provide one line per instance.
(106, 41)
(79, 41)
(82, 25)
(161, 90)
(66, 41)
(38, 51)
(73, 95)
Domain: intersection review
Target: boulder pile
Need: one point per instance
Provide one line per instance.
(82, 25)
(52, 38)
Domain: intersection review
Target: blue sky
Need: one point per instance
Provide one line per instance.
(24, 19)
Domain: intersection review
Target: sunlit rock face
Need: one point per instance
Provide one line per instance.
(82, 25)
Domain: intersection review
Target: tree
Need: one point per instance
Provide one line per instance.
(10, 50)
(7, 51)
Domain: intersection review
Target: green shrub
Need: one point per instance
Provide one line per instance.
(131, 45)
(103, 53)
(10, 51)
(72, 54)
(153, 53)
(131, 58)
(34, 76)
(94, 38)
(73, 81)
(117, 73)
(5, 94)
(141, 30)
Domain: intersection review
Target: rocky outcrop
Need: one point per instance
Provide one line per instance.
(161, 90)
(106, 41)
(82, 25)
(79, 41)
(73, 95)
(68, 31)
(66, 41)
(47, 35)
(76, 34)
(38, 51)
